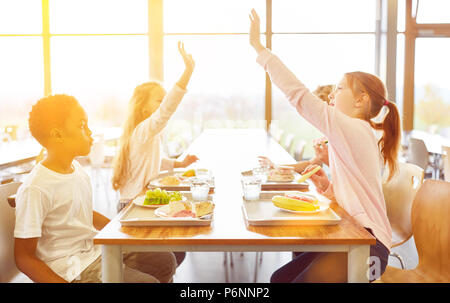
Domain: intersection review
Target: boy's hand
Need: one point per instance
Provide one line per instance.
(255, 32)
(187, 58)
(321, 150)
(189, 160)
(319, 179)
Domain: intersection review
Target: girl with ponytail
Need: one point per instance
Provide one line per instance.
(355, 155)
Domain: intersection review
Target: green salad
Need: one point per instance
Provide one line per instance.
(160, 197)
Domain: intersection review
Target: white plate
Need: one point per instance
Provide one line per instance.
(321, 208)
(140, 202)
(163, 212)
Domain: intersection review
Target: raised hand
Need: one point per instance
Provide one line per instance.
(189, 66)
(255, 32)
(187, 58)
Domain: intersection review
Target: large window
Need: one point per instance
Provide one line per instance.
(94, 50)
(320, 41)
(227, 86)
(427, 45)
(99, 50)
(432, 88)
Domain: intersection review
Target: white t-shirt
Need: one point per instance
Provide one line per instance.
(57, 209)
(145, 151)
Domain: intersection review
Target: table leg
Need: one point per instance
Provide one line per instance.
(112, 264)
(358, 257)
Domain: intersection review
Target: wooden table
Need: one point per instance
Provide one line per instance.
(227, 153)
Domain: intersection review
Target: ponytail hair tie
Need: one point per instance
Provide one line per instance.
(386, 102)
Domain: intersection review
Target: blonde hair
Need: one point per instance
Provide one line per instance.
(135, 115)
(323, 91)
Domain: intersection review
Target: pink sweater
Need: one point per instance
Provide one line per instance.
(354, 157)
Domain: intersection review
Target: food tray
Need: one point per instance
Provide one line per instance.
(136, 215)
(272, 185)
(263, 212)
(183, 186)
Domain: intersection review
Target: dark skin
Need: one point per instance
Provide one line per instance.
(63, 145)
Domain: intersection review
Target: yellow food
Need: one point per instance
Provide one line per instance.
(308, 174)
(170, 180)
(203, 208)
(189, 173)
(294, 204)
(176, 206)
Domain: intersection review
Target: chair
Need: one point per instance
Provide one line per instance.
(275, 132)
(418, 153)
(431, 230)
(299, 149)
(399, 194)
(446, 156)
(286, 141)
(8, 269)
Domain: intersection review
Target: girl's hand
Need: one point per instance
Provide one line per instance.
(188, 160)
(321, 150)
(264, 161)
(319, 179)
(187, 58)
(255, 32)
(189, 64)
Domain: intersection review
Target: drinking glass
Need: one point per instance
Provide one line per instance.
(261, 172)
(251, 187)
(199, 190)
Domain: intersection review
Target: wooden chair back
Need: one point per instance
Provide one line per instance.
(399, 195)
(431, 229)
(446, 157)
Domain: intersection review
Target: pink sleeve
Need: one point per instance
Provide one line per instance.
(315, 111)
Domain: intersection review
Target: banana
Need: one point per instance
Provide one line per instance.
(294, 204)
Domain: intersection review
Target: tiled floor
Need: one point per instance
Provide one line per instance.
(209, 267)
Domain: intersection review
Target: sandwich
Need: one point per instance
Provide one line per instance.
(281, 174)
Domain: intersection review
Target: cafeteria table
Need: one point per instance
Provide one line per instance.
(228, 152)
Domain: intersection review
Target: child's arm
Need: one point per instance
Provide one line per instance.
(189, 67)
(32, 266)
(99, 220)
(188, 160)
(169, 164)
(158, 120)
(319, 114)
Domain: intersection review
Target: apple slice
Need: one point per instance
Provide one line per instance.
(306, 176)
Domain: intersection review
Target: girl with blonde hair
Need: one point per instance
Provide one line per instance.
(140, 156)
